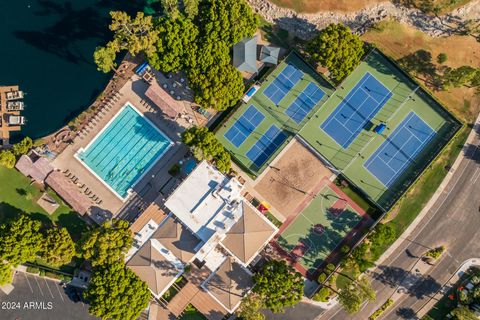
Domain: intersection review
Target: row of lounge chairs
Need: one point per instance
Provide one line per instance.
(74, 179)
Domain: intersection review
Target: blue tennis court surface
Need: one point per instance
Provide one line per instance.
(266, 145)
(244, 126)
(304, 103)
(283, 83)
(400, 149)
(360, 105)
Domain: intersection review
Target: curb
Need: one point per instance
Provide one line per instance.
(432, 200)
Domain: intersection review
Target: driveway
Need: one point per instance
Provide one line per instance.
(36, 298)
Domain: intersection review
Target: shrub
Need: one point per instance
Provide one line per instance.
(322, 277)
(23, 146)
(34, 270)
(330, 267)
(381, 310)
(442, 58)
(345, 249)
(435, 253)
(53, 275)
(323, 295)
(42, 273)
(7, 159)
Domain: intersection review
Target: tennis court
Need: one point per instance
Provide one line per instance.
(266, 145)
(318, 230)
(244, 126)
(400, 149)
(304, 103)
(283, 83)
(354, 111)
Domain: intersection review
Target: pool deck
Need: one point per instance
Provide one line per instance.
(145, 190)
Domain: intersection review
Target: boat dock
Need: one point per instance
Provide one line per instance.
(10, 107)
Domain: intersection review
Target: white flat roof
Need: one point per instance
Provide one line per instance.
(206, 202)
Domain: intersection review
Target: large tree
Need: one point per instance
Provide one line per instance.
(6, 273)
(463, 313)
(7, 159)
(190, 7)
(175, 47)
(133, 35)
(205, 146)
(115, 292)
(355, 294)
(107, 244)
(250, 308)
(279, 285)
(227, 20)
(23, 146)
(337, 49)
(58, 248)
(20, 240)
(457, 77)
(219, 86)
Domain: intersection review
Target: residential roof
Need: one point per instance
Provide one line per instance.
(153, 212)
(229, 284)
(37, 170)
(269, 54)
(245, 55)
(154, 268)
(163, 100)
(68, 192)
(206, 201)
(249, 235)
(178, 239)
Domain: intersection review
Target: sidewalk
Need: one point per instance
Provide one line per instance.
(433, 199)
(448, 285)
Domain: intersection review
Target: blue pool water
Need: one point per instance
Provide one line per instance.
(125, 150)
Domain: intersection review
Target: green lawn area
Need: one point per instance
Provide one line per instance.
(18, 195)
(191, 313)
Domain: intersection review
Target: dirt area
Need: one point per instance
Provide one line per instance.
(312, 6)
(399, 41)
(291, 178)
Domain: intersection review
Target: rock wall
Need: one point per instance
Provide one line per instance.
(305, 26)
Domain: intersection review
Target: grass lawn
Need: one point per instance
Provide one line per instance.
(18, 195)
(191, 313)
(403, 42)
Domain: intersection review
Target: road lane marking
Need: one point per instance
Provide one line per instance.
(31, 289)
(436, 210)
(60, 293)
(48, 287)
(475, 175)
(38, 284)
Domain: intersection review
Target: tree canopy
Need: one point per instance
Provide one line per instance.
(337, 49)
(250, 308)
(58, 248)
(20, 240)
(115, 292)
(279, 285)
(23, 146)
(7, 159)
(107, 244)
(133, 35)
(6, 273)
(176, 46)
(205, 146)
(355, 293)
(463, 313)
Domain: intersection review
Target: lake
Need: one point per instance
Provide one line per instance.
(47, 49)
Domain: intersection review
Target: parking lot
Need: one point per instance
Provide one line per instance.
(36, 298)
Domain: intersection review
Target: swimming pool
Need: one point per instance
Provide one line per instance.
(127, 147)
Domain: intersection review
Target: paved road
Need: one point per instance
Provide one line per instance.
(36, 298)
(452, 221)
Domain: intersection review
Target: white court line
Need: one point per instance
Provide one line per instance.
(38, 284)
(48, 287)
(59, 292)
(31, 289)
(424, 225)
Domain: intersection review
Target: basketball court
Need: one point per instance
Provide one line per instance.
(309, 238)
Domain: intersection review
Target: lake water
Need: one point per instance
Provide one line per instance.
(47, 49)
